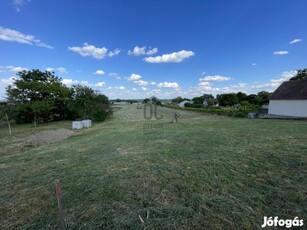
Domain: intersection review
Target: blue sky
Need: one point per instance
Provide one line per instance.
(166, 48)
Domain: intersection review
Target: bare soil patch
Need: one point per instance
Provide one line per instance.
(49, 136)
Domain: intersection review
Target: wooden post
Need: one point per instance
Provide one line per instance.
(58, 196)
(8, 123)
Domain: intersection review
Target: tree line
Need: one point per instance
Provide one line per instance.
(40, 96)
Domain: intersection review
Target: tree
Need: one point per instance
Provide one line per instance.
(177, 100)
(86, 103)
(38, 93)
(241, 96)
(229, 99)
(300, 75)
(263, 97)
(146, 100)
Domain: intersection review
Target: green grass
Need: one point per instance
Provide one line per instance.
(206, 172)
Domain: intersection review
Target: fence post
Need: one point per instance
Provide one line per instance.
(58, 196)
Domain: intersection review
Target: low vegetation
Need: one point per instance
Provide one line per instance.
(205, 172)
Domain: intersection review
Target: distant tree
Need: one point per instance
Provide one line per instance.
(208, 96)
(263, 97)
(177, 100)
(300, 75)
(38, 94)
(241, 96)
(198, 100)
(146, 100)
(87, 103)
(229, 99)
(253, 99)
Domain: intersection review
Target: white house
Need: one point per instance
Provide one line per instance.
(289, 100)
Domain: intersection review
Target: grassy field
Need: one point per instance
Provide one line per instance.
(205, 172)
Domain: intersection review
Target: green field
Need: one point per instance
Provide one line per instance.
(205, 172)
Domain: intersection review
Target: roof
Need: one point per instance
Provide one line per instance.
(291, 90)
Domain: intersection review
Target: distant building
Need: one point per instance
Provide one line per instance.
(120, 103)
(289, 100)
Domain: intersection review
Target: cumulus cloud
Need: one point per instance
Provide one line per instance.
(7, 34)
(152, 51)
(100, 84)
(70, 82)
(275, 82)
(93, 51)
(215, 78)
(137, 51)
(144, 88)
(280, 52)
(134, 77)
(172, 57)
(99, 72)
(141, 82)
(90, 50)
(168, 85)
(295, 41)
(4, 82)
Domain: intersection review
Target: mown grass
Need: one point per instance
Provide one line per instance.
(206, 172)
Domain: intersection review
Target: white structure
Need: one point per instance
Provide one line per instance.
(289, 100)
(182, 104)
(87, 123)
(77, 125)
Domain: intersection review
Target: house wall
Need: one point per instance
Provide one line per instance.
(293, 108)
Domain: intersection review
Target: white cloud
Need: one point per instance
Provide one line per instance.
(19, 3)
(168, 85)
(95, 52)
(141, 82)
(99, 72)
(12, 68)
(61, 70)
(117, 87)
(275, 82)
(114, 53)
(4, 82)
(134, 77)
(254, 64)
(7, 34)
(134, 89)
(100, 84)
(115, 75)
(173, 57)
(144, 88)
(215, 78)
(152, 51)
(280, 52)
(137, 51)
(7, 81)
(153, 83)
(70, 82)
(295, 41)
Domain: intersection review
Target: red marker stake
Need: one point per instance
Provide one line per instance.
(58, 196)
